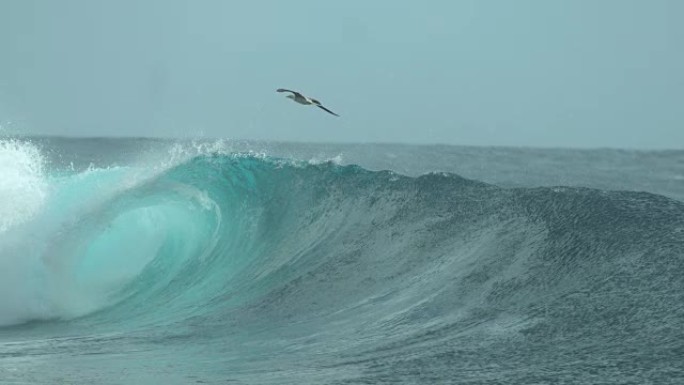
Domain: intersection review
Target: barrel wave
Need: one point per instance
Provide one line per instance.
(265, 270)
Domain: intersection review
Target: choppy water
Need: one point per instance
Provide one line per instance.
(145, 261)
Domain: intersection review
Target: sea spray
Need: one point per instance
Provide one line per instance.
(23, 185)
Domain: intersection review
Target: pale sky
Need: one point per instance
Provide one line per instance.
(552, 73)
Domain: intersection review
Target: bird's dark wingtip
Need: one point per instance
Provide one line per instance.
(326, 110)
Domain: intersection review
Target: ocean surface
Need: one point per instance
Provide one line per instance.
(140, 261)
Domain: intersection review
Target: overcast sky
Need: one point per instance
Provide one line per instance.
(573, 73)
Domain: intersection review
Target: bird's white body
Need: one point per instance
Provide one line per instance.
(301, 99)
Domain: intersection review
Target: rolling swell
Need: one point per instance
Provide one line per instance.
(373, 276)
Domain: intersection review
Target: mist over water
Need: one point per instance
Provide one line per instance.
(138, 261)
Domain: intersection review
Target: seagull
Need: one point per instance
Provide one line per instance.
(301, 99)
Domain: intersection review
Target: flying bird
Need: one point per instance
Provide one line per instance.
(301, 99)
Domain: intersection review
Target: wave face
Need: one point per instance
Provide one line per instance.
(263, 270)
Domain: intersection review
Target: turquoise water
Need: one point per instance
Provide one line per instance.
(138, 261)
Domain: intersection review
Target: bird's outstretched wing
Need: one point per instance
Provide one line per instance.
(325, 109)
(286, 90)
